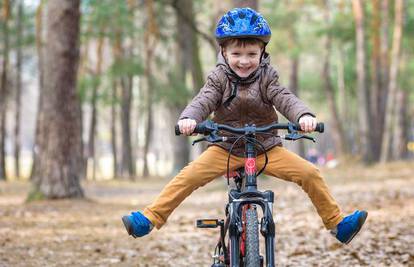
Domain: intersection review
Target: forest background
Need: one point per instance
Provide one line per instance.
(136, 64)
(90, 92)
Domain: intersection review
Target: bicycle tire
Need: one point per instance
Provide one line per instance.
(252, 257)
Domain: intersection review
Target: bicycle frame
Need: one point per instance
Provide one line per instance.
(246, 195)
(238, 199)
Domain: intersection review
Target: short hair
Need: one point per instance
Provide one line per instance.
(245, 41)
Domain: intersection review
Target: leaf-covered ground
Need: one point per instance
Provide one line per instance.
(90, 232)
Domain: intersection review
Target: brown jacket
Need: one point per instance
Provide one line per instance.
(254, 102)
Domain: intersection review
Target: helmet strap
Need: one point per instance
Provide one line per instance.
(263, 52)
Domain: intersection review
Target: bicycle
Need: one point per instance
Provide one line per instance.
(241, 248)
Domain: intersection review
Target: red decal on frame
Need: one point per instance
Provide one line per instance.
(250, 166)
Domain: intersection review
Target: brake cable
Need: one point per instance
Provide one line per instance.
(229, 155)
(252, 141)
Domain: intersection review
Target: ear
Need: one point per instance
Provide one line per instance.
(223, 52)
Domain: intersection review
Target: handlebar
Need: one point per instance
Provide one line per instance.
(207, 127)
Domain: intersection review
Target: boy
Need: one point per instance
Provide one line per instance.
(244, 88)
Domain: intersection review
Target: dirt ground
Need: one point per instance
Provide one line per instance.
(90, 232)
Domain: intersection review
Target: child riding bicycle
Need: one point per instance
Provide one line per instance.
(244, 89)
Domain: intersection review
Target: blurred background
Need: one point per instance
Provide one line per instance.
(90, 91)
(141, 62)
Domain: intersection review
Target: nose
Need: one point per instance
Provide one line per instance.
(244, 60)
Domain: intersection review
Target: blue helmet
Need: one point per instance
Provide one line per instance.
(240, 23)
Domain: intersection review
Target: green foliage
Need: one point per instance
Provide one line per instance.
(126, 67)
(27, 24)
(350, 75)
(407, 59)
(85, 85)
(311, 86)
(409, 22)
(114, 21)
(406, 80)
(282, 24)
(107, 18)
(342, 28)
(298, 30)
(174, 92)
(106, 96)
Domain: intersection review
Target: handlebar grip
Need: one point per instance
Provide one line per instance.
(320, 127)
(200, 128)
(177, 130)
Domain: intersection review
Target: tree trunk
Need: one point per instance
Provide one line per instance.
(196, 66)
(116, 99)
(401, 126)
(59, 143)
(150, 42)
(343, 97)
(92, 132)
(149, 127)
(18, 90)
(184, 63)
(392, 87)
(219, 8)
(337, 131)
(246, 3)
(376, 80)
(4, 88)
(362, 94)
(114, 135)
(94, 115)
(41, 16)
(127, 162)
(385, 65)
(298, 146)
(181, 148)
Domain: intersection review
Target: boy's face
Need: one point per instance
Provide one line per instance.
(243, 60)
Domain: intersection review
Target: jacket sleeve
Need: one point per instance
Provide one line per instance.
(206, 101)
(284, 100)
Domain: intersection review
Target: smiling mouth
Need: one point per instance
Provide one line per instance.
(243, 69)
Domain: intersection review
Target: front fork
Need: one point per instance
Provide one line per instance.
(267, 225)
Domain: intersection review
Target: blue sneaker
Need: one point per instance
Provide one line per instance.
(137, 224)
(346, 230)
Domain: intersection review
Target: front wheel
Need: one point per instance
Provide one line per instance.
(252, 256)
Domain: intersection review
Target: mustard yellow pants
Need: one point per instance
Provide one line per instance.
(212, 163)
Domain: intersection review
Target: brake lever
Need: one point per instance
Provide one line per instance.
(293, 136)
(198, 140)
(309, 138)
(211, 138)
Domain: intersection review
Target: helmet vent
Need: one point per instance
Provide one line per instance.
(230, 20)
(253, 19)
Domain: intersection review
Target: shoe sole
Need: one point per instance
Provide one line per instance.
(128, 226)
(361, 222)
